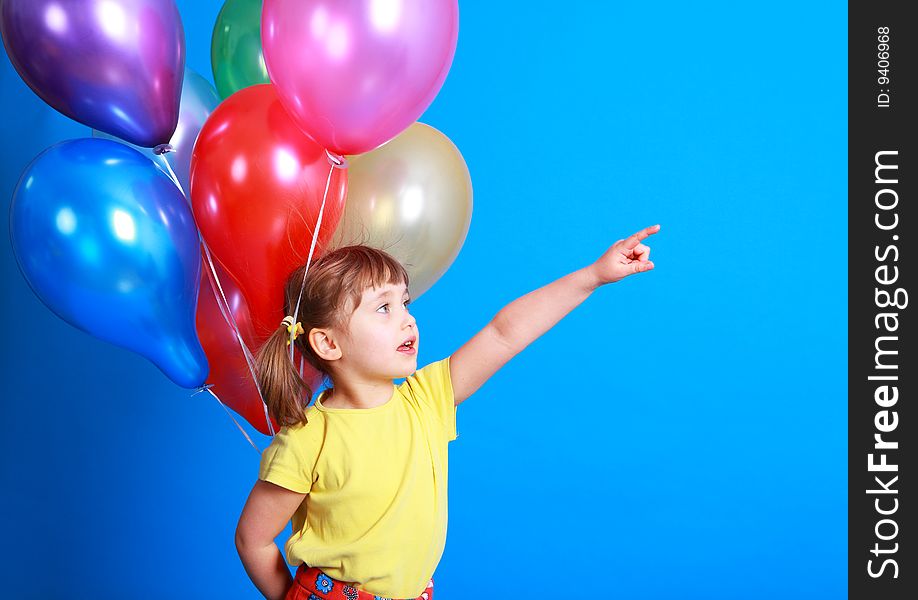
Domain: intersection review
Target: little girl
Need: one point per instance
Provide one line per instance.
(362, 472)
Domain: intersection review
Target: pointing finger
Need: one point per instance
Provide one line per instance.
(643, 234)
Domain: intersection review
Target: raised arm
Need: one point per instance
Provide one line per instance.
(525, 319)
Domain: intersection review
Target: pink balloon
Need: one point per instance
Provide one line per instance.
(353, 74)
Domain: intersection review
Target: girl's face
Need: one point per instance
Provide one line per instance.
(378, 332)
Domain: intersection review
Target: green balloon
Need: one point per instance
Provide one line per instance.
(235, 47)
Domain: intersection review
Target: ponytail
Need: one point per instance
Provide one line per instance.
(284, 391)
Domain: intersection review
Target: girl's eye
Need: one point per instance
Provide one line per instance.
(385, 307)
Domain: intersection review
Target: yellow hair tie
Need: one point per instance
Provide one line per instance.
(293, 328)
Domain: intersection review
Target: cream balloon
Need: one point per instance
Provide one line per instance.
(411, 197)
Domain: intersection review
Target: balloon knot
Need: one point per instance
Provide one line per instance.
(201, 389)
(162, 149)
(337, 161)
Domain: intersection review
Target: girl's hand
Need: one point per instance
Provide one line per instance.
(624, 258)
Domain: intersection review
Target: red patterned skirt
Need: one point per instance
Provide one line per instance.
(312, 584)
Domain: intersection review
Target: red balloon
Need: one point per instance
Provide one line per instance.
(229, 373)
(257, 184)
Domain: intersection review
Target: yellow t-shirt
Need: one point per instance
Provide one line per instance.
(376, 511)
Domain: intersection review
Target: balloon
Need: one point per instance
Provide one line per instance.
(355, 73)
(235, 48)
(229, 372)
(198, 100)
(114, 65)
(108, 243)
(256, 188)
(411, 197)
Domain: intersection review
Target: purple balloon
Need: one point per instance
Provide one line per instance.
(353, 74)
(114, 65)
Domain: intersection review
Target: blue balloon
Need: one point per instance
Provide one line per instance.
(109, 244)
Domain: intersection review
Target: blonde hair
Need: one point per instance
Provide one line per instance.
(331, 293)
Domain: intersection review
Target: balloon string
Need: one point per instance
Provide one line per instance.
(336, 162)
(231, 321)
(227, 314)
(160, 151)
(206, 388)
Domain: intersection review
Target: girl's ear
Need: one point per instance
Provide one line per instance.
(324, 344)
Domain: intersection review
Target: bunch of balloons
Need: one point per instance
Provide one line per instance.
(314, 145)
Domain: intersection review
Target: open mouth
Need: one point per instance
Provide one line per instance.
(408, 346)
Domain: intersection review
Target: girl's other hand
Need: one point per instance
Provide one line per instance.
(624, 258)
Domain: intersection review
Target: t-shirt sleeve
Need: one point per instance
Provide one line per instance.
(290, 460)
(433, 388)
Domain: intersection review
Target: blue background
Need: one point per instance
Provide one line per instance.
(682, 434)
